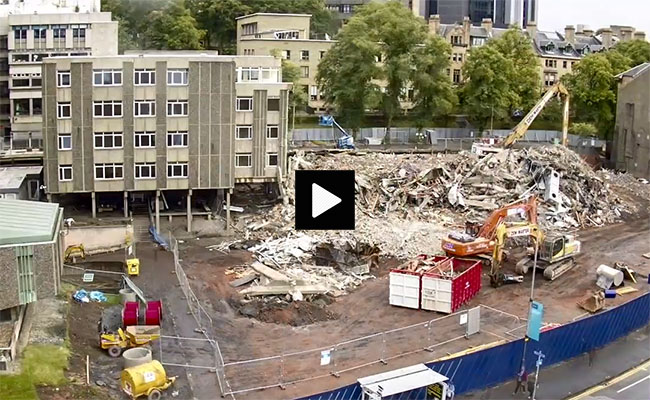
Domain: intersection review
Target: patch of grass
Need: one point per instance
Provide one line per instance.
(45, 364)
(67, 289)
(17, 387)
(42, 364)
(112, 299)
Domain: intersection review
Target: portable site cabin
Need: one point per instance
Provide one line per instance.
(420, 380)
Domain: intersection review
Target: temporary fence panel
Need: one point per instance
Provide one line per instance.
(501, 363)
(404, 289)
(443, 294)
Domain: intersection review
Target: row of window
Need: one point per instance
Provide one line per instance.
(304, 55)
(141, 77)
(553, 63)
(58, 31)
(112, 171)
(113, 109)
(147, 139)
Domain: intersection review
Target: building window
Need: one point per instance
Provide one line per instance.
(79, 31)
(322, 54)
(177, 139)
(304, 55)
(272, 131)
(37, 106)
(249, 74)
(145, 170)
(249, 29)
(478, 42)
(20, 32)
(564, 64)
(346, 8)
(177, 77)
(21, 107)
(63, 78)
(243, 160)
(456, 77)
(107, 77)
(107, 108)
(549, 79)
(58, 31)
(551, 63)
(273, 105)
(144, 139)
(144, 108)
(244, 104)
(144, 77)
(243, 132)
(37, 82)
(456, 40)
(304, 71)
(65, 173)
(39, 32)
(272, 159)
(249, 52)
(313, 93)
(458, 57)
(177, 170)
(65, 141)
(109, 171)
(286, 54)
(19, 83)
(108, 140)
(63, 110)
(177, 108)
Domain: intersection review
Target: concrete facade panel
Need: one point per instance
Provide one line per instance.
(161, 124)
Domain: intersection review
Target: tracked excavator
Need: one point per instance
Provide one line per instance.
(486, 242)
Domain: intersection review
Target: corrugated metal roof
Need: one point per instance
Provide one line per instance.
(24, 221)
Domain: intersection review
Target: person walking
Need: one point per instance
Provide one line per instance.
(522, 378)
(531, 386)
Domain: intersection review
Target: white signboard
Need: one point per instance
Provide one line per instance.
(149, 376)
(325, 357)
(463, 318)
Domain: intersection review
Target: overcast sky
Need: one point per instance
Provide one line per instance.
(554, 15)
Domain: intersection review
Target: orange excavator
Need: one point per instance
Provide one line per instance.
(479, 240)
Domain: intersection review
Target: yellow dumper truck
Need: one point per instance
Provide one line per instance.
(148, 379)
(136, 335)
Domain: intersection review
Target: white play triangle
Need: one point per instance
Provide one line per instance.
(321, 200)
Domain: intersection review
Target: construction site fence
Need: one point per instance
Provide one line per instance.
(498, 364)
(445, 138)
(204, 322)
(429, 338)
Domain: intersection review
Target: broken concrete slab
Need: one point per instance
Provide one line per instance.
(269, 272)
(243, 280)
(284, 289)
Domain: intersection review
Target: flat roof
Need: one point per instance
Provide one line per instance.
(401, 380)
(273, 15)
(13, 177)
(27, 221)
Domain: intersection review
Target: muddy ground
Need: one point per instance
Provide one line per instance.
(366, 311)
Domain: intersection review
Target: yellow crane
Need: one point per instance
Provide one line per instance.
(520, 130)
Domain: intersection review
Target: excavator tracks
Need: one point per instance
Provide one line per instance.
(555, 270)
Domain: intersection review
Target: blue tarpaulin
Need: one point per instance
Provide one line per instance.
(157, 237)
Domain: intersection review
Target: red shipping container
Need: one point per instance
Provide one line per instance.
(446, 289)
(405, 286)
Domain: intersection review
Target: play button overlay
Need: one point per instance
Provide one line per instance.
(324, 199)
(321, 200)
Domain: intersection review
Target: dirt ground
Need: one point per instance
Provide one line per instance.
(366, 310)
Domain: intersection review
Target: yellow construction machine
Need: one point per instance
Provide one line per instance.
(73, 252)
(135, 335)
(522, 127)
(555, 253)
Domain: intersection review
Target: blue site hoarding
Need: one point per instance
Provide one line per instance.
(499, 364)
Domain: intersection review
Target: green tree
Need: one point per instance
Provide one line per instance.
(132, 17)
(434, 94)
(218, 19)
(384, 44)
(638, 51)
(592, 86)
(583, 129)
(174, 28)
(298, 95)
(500, 78)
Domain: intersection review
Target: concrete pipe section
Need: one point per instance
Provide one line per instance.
(136, 356)
(127, 295)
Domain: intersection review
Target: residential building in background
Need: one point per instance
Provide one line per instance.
(286, 36)
(31, 263)
(154, 124)
(31, 30)
(558, 52)
(631, 147)
(463, 37)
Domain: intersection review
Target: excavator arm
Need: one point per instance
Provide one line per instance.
(498, 216)
(522, 127)
(504, 231)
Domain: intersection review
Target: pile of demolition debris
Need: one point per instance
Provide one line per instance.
(298, 264)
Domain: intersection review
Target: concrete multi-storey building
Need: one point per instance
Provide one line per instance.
(163, 123)
(287, 36)
(31, 30)
(631, 147)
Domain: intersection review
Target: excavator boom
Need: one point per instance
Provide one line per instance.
(522, 127)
